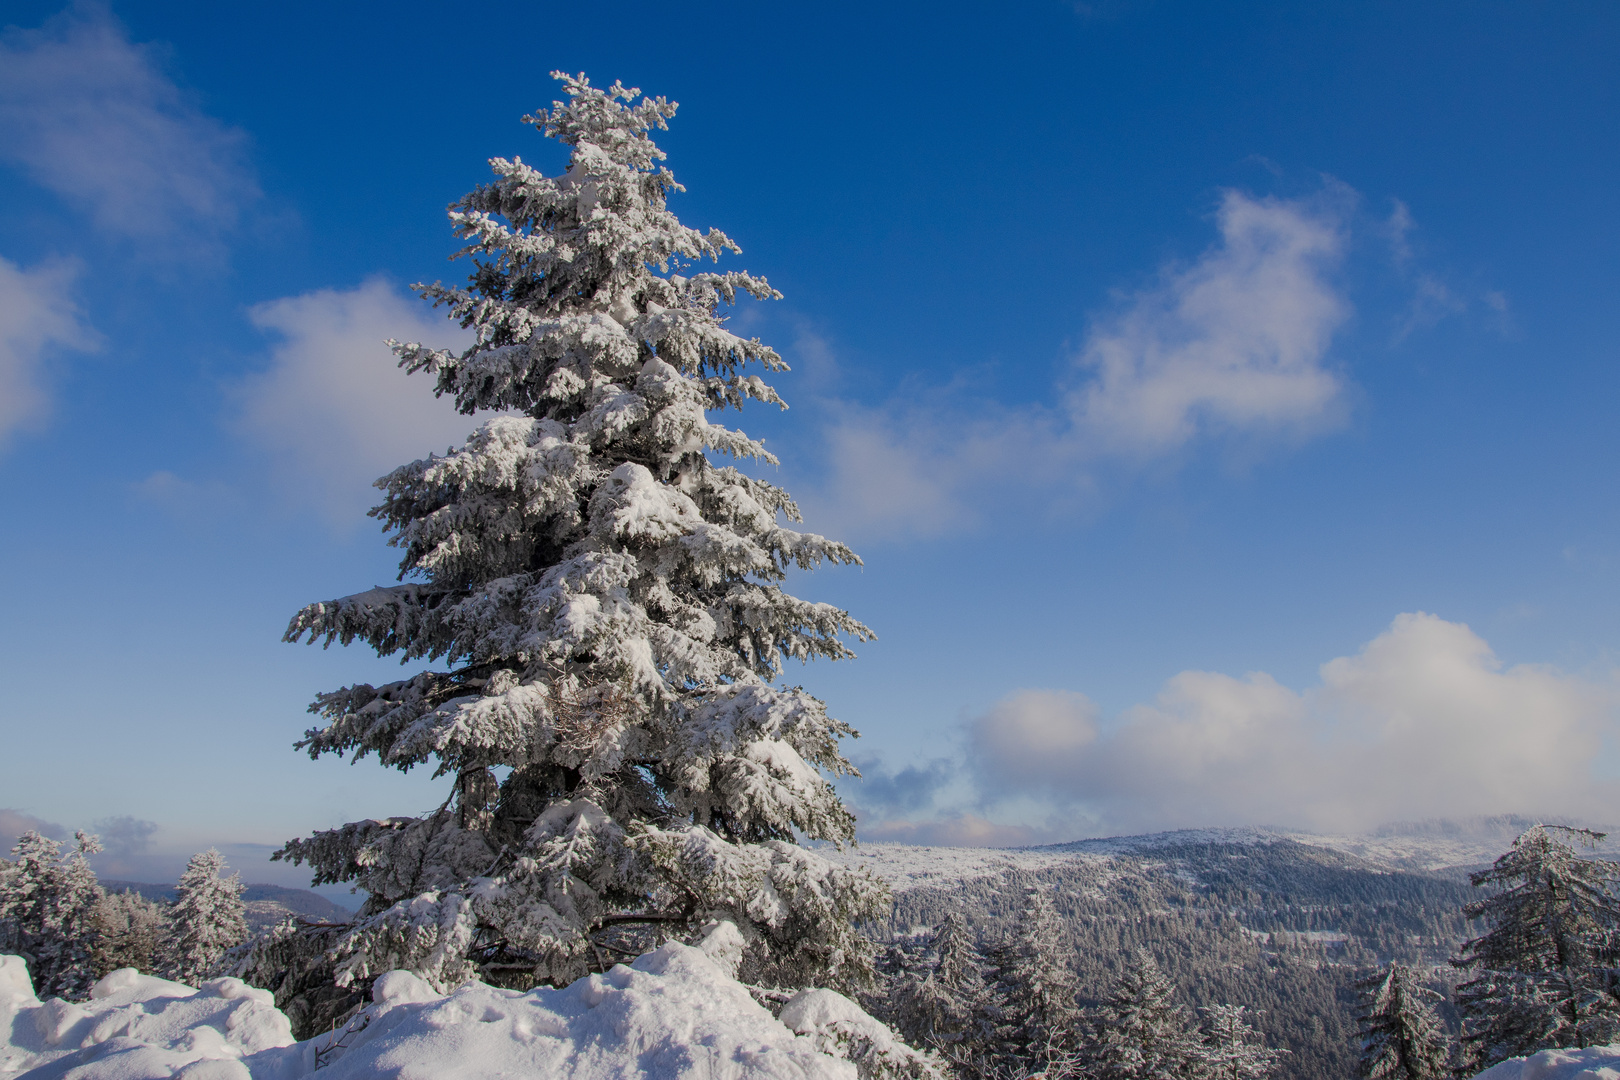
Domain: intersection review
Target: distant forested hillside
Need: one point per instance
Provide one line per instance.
(1283, 927)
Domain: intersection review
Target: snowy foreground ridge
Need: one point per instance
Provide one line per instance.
(675, 1012)
(1593, 1063)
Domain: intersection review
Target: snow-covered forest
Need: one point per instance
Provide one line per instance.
(642, 866)
(1049, 962)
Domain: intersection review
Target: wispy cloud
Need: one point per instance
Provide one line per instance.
(1422, 722)
(1233, 345)
(333, 411)
(1236, 342)
(38, 320)
(91, 116)
(1431, 298)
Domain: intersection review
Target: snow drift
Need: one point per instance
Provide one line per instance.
(1593, 1063)
(675, 1012)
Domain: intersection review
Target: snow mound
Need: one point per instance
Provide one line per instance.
(135, 1026)
(840, 1027)
(1593, 1063)
(674, 1013)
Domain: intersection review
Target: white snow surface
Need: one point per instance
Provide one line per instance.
(674, 1013)
(1593, 1063)
(136, 1026)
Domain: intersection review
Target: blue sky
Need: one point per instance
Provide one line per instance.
(1221, 395)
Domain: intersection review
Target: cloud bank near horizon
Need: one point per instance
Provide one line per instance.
(1424, 722)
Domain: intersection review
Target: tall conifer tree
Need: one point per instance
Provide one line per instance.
(605, 605)
(130, 932)
(1538, 976)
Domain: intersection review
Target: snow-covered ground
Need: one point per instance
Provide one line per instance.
(1593, 1063)
(906, 866)
(1439, 845)
(676, 1013)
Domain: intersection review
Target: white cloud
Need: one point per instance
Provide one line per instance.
(886, 482)
(91, 116)
(1423, 722)
(334, 411)
(37, 315)
(1235, 344)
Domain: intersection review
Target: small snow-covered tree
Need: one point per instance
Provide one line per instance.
(1401, 1035)
(607, 605)
(205, 920)
(956, 950)
(939, 1004)
(1036, 994)
(1232, 1049)
(1538, 980)
(48, 900)
(1140, 1033)
(130, 932)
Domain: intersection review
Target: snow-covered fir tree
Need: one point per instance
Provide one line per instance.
(130, 931)
(1035, 997)
(1232, 1049)
(939, 1004)
(956, 950)
(1538, 976)
(48, 900)
(1402, 1037)
(1140, 1033)
(205, 920)
(606, 604)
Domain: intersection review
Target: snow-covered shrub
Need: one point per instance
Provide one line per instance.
(293, 960)
(130, 931)
(841, 1028)
(608, 607)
